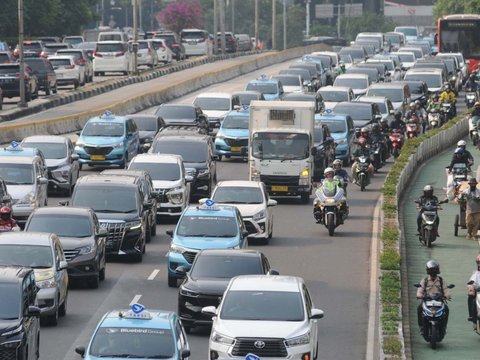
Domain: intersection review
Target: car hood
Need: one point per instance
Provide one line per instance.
(212, 114)
(291, 89)
(270, 96)
(72, 243)
(146, 134)
(9, 325)
(208, 286)
(55, 163)
(234, 133)
(101, 140)
(358, 92)
(113, 217)
(200, 243)
(166, 184)
(17, 192)
(260, 329)
(247, 210)
(397, 104)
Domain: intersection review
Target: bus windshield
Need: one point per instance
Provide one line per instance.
(460, 36)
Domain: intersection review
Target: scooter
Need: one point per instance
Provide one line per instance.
(473, 129)
(396, 139)
(435, 119)
(434, 317)
(376, 156)
(330, 208)
(412, 128)
(459, 172)
(448, 110)
(428, 228)
(470, 99)
(362, 174)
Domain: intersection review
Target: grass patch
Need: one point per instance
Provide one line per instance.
(391, 345)
(390, 260)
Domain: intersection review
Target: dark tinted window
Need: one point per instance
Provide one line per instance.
(176, 112)
(75, 54)
(34, 256)
(9, 69)
(193, 35)
(194, 151)
(108, 199)
(110, 47)
(170, 39)
(334, 96)
(288, 80)
(32, 46)
(146, 123)
(395, 95)
(245, 99)
(235, 122)
(60, 62)
(103, 129)
(238, 195)
(4, 58)
(355, 111)
(207, 226)
(142, 45)
(11, 301)
(335, 126)
(262, 306)
(169, 172)
(264, 88)
(352, 83)
(49, 150)
(211, 103)
(62, 225)
(226, 267)
(35, 64)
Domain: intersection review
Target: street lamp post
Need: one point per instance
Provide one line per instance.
(256, 24)
(135, 37)
(22, 102)
(284, 24)
(274, 12)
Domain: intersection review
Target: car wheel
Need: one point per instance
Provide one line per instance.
(55, 90)
(35, 94)
(52, 320)
(68, 192)
(1, 103)
(138, 257)
(48, 89)
(219, 157)
(101, 273)
(148, 234)
(62, 310)
(153, 229)
(94, 282)
(172, 281)
(28, 95)
(76, 84)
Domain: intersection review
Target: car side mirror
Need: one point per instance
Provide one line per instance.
(62, 265)
(317, 314)
(169, 233)
(185, 354)
(42, 180)
(102, 232)
(75, 157)
(272, 202)
(209, 310)
(451, 286)
(273, 272)
(314, 151)
(244, 233)
(34, 311)
(80, 350)
(63, 203)
(6, 199)
(215, 157)
(181, 270)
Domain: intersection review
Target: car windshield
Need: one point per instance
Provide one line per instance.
(395, 95)
(225, 267)
(73, 40)
(103, 129)
(393, 38)
(176, 112)
(288, 80)
(264, 88)
(235, 122)
(62, 225)
(9, 69)
(382, 107)
(262, 306)
(34, 256)
(133, 342)
(406, 57)
(193, 35)
(432, 80)
(238, 195)
(75, 54)
(280, 146)
(346, 58)
(407, 31)
(334, 96)
(335, 126)
(359, 114)
(158, 171)
(108, 199)
(31, 46)
(352, 83)
(17, 174)
(212, 103)
(146, 123)
(10, 295)
(49, 150)
(245, 99)
(416, 88)
(355, 53)
(191, 152)
(207, 226)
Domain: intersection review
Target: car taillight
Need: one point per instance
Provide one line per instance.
(80, 61)
(121, 53)
(97, 54)
(43, 54)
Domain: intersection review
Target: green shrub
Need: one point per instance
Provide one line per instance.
(391, 345)
(390, 260)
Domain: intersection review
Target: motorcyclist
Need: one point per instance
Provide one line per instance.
(422, 114)
(412, 111)
(378, 137)
(472, 286)
(476, 113)
(397, 122)
(330, 184)
(432, 284)
(448, 96)
(425, 199)
(471, 198)
(471, 84)
(466, 154)
(7, 223)
(340, 172)
(362, 150)
(458, 159)
(434, 105)
(341, 68)
(365, 133)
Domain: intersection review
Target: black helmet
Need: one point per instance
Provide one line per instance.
(428, 191)
(472, 181)
(375, 128)
(398, 115)
(432, 267)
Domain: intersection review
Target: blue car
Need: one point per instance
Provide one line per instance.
(270, 88)
(232, 137)
(137, 334)
(343, 132)
(16, 149)
(200, 227)
(108, 140)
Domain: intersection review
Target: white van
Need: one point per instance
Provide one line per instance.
(196, 42)
(111, 56)
(376, 37)
(112, 36)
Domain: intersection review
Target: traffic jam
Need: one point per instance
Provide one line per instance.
(316, 133)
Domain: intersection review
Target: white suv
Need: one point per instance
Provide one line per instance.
(146, 55)
(67, 70)
(171, 184)
(216, 106)
(251, 198)
(111, 56)
(271, 316)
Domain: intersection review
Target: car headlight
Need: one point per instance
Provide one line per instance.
(84, 250)
(186, 292)
(28, 199)
(133, 225)
(46, 284)
(259, 215)
(177, 249)
(299, 340)
(304, 178)
(175, 196)
(62, 172)
(222, 339)
(203, 172)
(116, 146)
(80, 143)
(15, 331)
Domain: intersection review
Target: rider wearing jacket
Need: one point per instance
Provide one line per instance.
(434, 105)
(466, 154)
(339, 171)
(448, 96)
(471, 83)
(397, 122)
(6, 220)
(473, 286)
(330, 184)
(459, 158)
(426, 198)
(362, 150)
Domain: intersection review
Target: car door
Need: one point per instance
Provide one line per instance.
(133, 139)
(28, 321)
(75, 166)
(241, 229)
(61, 276)
(312, 322)
(100, 240)
(182, 343)
(269, 210)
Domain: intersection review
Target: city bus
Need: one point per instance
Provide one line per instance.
(460, 33)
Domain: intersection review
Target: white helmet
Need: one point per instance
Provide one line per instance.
(462, 143)
(337, 162)
(328, 170)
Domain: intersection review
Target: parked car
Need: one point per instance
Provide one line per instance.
(82, 238)
(111, 56)
(43, 70)
(10, 81)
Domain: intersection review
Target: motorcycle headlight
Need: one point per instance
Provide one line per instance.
(299, 340)
(84, 250)
(46, 284)
(28, 199)
(177, 249)
(222, 339)
(133, 225)
(259, 215)
(80, 143)
(203, 172)
(118, 145)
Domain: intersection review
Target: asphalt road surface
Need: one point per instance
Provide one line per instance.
(336, 269)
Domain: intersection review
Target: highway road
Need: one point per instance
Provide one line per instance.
(336, 269)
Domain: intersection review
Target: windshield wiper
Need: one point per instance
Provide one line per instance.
(107, 211)
(158, 357)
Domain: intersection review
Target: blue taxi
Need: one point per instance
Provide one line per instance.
(108, 139)
(16, 149)
(200, 227)
(137, 333)
(270, 88)
(232, 137)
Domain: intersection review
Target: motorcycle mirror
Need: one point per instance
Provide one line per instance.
(451, 286)
(417, 285)
(471, 282)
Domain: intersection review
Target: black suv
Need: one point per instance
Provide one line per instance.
(197, 151)
(183, 115)
(208, 278)
(10, 81)
(119, 204)
(43, 70)
(19, 315)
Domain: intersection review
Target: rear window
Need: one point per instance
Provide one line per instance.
(142, 45)
(60, 62)
(109, 47)
(110, 37)
(75, 54)
(176, 112)
(4, 58)
(193, 35)
(32, 46)
(35, 64)
(170, 39)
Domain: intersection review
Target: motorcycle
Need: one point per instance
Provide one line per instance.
(434, 317)
(447, 109)
(459, 172)
(473, 129)
(329, 208)
(477, 306)
(428, 228)
(435, 119)
(470, 98)
(396, 139)
(362, 174)
(376, 156)
(8, 228)
(412, 128)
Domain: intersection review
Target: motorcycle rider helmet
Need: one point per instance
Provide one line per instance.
(329, 170)
(5, 213)
(432, 267)
(472, 181)
(364, 132)
(428, 191)
(412, 106)
(337, 164)
(362, 141)
(398, 115)
(458, 150)
(462, 144)
(375, 128)
(477, 104)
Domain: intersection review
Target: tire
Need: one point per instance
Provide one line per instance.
(101, 273)
(456, 225)
(94, 282)
(172, 281)
(48, 90)
(188, 329)
(305, 198)
(219, 157)
(153, 229)
(362, 183)
(395, 152)
(76, 84)
(427, 238)
(28, 96)
(68, 192)
(137, 257)
(52, 320)
(55, 90)
(35, 94)
(331, 224)
(148, 234)
(62, 309)
(433, 336)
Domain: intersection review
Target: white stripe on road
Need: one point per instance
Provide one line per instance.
(135, 300)
(153, 274)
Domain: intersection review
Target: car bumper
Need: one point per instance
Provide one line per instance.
(114, 157)
(175, 260)
(21, 213)
(169, 209)
(47, 301)
(222, 148)
(130, 244)
(224, 352)
(256, 230)
(67, 81)
(83, 267)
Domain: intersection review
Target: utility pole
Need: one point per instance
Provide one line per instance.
(140, 13)
(22, 102)
(151, 15)
(274, 12)
(135, 38)
(256, 24)
(307, 25)
(222, 24)
(284, 24)
(103, 12)
(215, 27)
(338, 19)
(232, 2)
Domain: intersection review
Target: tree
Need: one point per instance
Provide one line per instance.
(368, 22)
(181, 14)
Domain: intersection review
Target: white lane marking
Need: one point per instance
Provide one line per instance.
(153, 274)
(372, 302)
(135, 299)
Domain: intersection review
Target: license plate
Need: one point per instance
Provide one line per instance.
(97, 157)
(192, 43)
(236, 148)
(280, 188)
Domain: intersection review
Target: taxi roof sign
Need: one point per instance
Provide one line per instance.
(14, 146)
(263, 77)
(245, 107)
(252, 357)
(107, 115)
(136, 312)
(208, 204)
(328, 112)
